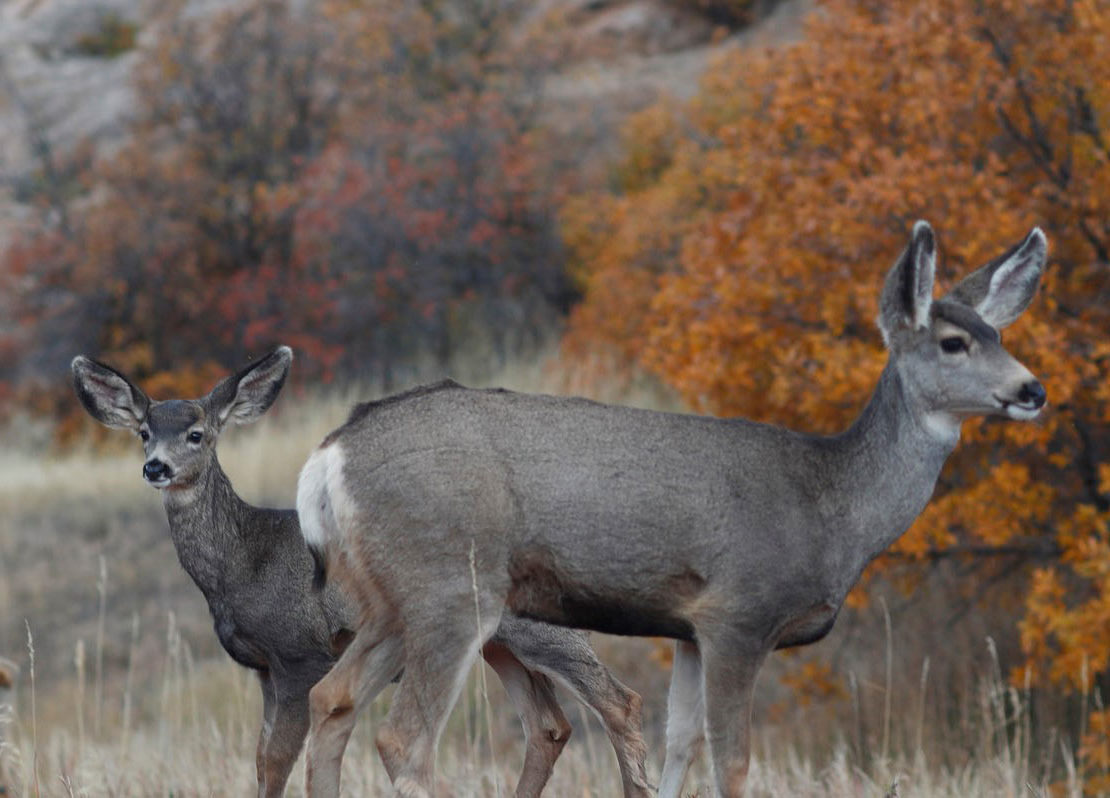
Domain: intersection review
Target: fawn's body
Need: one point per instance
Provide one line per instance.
(256, 574)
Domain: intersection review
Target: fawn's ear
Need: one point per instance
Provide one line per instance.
(110, 397)
(1001, 290)
(908, 291)
(243, 397)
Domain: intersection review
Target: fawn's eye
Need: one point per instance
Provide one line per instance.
(144, 435)
(953, 344)
(195, 436)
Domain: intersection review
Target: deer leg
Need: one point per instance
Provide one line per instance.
(685, 718)
(730, 669)
(368, 664)
(565, 655)
(441, 643)
(287, 733)
(619, 708)
(269, 705)
(546, 729)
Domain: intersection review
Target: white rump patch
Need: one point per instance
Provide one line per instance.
(323, 504)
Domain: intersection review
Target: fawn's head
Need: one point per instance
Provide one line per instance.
(948, 351)
(179, 435)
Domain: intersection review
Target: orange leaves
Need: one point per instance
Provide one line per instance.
(1095, 751)
(1073, 638)
(814, 681)
(742, 254)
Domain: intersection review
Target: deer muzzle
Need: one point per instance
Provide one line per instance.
(157, 473)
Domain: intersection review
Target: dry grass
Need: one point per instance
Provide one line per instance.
(198, 739)
(129, 694)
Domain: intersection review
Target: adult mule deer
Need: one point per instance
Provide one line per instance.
(734, 538)
(252, 566)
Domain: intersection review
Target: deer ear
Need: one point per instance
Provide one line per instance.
(1002, 289)
(243, 397)
(110, 397)
(908, 290)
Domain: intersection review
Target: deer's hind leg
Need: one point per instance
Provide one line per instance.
(546, 729)
(442, 641)
(371, 660)
(566, 656)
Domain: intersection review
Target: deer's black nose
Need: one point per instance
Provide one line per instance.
(1032, 393)
(156, 470)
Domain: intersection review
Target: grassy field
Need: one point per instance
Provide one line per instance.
(123, 690)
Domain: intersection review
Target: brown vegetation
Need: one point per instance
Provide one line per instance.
(363, 181)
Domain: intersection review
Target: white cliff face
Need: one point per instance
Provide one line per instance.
(50, 87)
(54, 92)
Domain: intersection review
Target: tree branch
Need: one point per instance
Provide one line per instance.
(1034, 550)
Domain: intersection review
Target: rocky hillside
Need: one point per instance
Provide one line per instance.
(66, 67)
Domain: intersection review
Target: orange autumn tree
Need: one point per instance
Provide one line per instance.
(741, 257)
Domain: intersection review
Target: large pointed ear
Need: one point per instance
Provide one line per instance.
(1002, 289)
(908, 290)
(243, 397)
(110, 397)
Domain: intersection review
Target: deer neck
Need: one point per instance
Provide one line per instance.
(884, 468)
(207, 520)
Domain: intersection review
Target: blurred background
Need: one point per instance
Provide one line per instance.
(682, 204)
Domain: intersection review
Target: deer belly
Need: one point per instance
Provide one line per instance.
(541, 590)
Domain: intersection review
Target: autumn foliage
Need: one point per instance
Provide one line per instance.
(741, 256)
(357, 180)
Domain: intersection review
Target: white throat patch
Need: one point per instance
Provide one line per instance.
(943, 426)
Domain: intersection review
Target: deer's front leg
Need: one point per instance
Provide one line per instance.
(729, 667)
(288, 728)
(269, 705)
(685, 718)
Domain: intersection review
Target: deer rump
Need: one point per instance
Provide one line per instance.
(580, 514)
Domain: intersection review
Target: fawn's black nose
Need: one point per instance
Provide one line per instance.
(156, 471)
(1032, 393)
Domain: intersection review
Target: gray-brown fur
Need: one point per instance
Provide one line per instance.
(253, 568)
(733, 537)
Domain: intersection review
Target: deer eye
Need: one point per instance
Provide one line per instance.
(195, 436)
(144, 435)
(953, 344)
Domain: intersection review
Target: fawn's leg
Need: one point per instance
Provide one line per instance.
(546, 729)
(269, 704)
(287, 732)
(566, 656)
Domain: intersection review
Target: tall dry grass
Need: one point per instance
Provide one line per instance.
(128, 694)
(191, 731)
